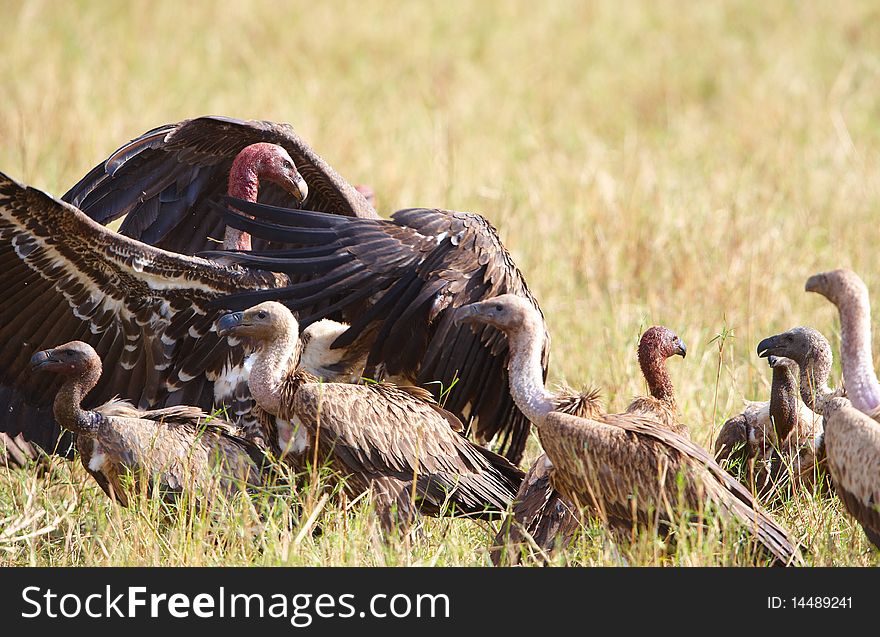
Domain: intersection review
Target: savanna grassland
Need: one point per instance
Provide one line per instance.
(682, 163)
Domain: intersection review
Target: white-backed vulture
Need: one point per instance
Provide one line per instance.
(174, 449)
(395, 281)
(774, 441)
(628, 467)
(846, 290)
(851, 437)
(540, 511)
(394, 440)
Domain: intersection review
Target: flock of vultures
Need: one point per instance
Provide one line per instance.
(254, 309)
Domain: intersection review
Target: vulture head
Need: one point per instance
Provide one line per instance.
(660, 342)
(842, 287)
(262, 323)
(269, 162)
(70, 359)
(801, 344)
(509, 313)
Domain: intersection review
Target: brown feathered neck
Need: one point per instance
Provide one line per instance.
(653, 352)
(67, 407)
(248, 168)
(784, 400)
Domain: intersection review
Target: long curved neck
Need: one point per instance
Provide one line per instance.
(67, 407)
(271, 364)
(526, 373)
(244, 183)
(653, 368)
(783, 401)
(856, 360)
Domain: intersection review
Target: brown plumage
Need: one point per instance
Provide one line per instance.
(394, 440)
(656, 345)
(775, 442)
(175, 449)
(629, 467)
(852, 434)
(539, 511)
(145, 311)
(396, 281)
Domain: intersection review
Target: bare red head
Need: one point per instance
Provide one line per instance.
(254, 164)
(656, 345)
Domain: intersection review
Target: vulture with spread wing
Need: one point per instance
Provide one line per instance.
(396, 281)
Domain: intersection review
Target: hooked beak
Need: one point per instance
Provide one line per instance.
(298, 188)
(466, 314)
(815, 283)
(41, 360)
(681, 349)
(768, 346)
(227, 324)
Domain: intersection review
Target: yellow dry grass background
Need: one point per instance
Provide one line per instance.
(684, 163)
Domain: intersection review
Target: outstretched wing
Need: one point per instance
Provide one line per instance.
(163, 180)
(146, 312)
(398, 282)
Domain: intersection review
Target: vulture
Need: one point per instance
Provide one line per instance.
(539, 510)
(629, 467)
(772, 441)
(396, 441)
(395, 281)
(846, 290)
(851, 437)
(163, 182)
(173, 449)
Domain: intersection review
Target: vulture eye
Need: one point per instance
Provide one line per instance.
(261, 314)
(498, 308)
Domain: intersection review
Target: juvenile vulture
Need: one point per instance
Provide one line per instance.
(395, 281)
(175, 449)
(629, 467)
(164, 180)
(396, 441)
(851, 437)
(540, 511)
(772, 441)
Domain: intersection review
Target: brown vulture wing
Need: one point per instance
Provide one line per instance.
(146, 312)
(163, 180)
(602, 464)
(400, 280)
(374, 431)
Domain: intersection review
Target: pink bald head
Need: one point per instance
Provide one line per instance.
(256, 163)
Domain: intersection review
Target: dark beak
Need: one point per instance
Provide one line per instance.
(466, 314)
(815, 283)
(681, 349)
(768, 346)
(773, 360)
(226, 324)
(41, 359)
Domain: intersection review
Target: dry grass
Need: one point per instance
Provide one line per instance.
(680, 163)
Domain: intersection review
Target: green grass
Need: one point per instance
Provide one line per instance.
(681, 163)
